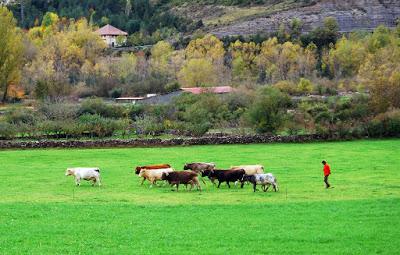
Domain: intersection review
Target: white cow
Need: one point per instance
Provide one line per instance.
(250, 169)
(85, 173)
(265, 180)
(153, 175)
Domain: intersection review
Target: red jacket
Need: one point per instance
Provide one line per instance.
(327, 170)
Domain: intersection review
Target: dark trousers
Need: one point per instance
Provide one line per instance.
(327, 185)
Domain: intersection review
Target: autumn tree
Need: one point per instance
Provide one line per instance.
(204, 62)
(346, 57)
(160, 56)
(244, 59)
(11, 51)
(286, 61)
(380, 71)
(208, 47)
(62, 56)
(198, 72)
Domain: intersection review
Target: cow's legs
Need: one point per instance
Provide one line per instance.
(227, 183)
(143, 181)
(177, 187)
(98, 181)
(78, 181)
(274, 186)
(267, 187)
(219, 183)
(254, 187)
(152, 182)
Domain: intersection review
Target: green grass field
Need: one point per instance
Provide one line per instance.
(42, 212)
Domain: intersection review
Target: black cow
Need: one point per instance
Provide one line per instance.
(227, 176)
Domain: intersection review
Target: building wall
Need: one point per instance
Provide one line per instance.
(111, 40)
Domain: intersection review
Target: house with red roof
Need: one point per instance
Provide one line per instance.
(110, 35)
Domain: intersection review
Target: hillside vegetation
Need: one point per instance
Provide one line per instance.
(354, 81)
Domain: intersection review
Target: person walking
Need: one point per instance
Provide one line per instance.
(327, 172)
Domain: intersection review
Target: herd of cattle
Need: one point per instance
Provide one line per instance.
(253, 174)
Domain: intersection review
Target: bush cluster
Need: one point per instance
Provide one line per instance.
(266, 111)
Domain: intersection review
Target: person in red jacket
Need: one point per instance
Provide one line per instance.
(327, 172)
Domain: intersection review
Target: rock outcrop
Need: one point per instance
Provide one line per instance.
(351, 15)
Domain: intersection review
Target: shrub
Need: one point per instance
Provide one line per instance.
(268, 111)
(305, 86)
(198, 129)
(51, 127)
(7, 130)
(115, 92)
(58, 111)
(172, 86)
(148, 125)
(287, 87)
(97, 125)
(385, 124)
(136, 111)
(99, 107)
(18, 116)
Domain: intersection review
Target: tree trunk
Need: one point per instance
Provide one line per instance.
(22, 12)
(5, 93)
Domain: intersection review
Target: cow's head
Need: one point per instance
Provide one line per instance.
(137, 169)
(206, 173)
(69, 172)
(164, 176)
(243, 175)
(186, 166)
(211, 167)
(245, 178)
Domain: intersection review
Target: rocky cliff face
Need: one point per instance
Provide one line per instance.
(351, 15)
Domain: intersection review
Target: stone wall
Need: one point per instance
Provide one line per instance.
(245, 139)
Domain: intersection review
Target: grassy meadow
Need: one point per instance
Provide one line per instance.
(42, 212)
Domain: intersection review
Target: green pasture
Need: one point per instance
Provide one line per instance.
(42, 212)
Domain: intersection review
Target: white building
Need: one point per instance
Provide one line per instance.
(110, 34)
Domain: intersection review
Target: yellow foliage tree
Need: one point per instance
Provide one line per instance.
(11, 51)
(380, 73)
(244, 55)
(197, 72)
(286, 61)
(346, 57)
(160, 56)
(64, 55)
(208, 47)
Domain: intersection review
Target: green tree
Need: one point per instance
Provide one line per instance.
(11, 51)
(305, 86)
(267, 113)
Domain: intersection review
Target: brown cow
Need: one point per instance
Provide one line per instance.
(151, 167)
(182, 177)
(199, 167)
